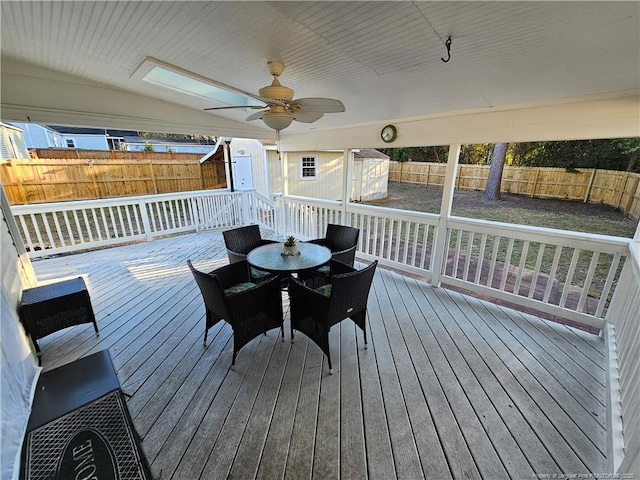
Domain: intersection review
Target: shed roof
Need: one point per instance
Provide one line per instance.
(369, 153)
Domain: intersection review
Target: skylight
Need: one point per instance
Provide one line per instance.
(182, 81)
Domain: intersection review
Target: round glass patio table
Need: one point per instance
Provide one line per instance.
(270, 259)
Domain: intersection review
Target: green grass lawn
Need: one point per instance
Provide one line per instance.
(560, 214)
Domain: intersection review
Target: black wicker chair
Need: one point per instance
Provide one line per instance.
(314, 312)
(240, 241)
(251, 309)
(342, 241)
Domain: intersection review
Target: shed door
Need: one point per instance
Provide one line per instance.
(242, 178)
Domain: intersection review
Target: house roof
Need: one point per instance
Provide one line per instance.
(168, 141)
(516, 70)
(90, 131)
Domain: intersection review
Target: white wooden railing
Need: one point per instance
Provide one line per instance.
(564, 273)
(622, 334)
(53, 228)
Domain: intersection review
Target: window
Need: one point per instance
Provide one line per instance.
(70, 143)
(308, 168)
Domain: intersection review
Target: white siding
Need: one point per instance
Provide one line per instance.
(370, 176)
(12, 143)
(328, 183)
(17, 368)
(37, 136)
(244, 147)
(374, 180)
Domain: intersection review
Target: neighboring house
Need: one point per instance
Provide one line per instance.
(92, 138)
(40, 136)
(135, 143)
(12, 142)
(316, 174)
(55, 136)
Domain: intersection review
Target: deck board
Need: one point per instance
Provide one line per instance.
(450, 386)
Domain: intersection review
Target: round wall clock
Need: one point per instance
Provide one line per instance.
(388, 133)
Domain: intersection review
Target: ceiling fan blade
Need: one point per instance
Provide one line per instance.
(234, 106)
(257, 115)
(313, 104)
(307, 117)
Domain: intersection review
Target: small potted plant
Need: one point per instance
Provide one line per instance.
(290, 247)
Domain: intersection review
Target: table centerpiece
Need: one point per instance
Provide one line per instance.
(290, 247)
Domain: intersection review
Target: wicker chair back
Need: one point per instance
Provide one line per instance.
(240, 241)
(314, 313)
(250, 311)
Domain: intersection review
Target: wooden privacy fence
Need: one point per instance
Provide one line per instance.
(620, 190)
(41, 180)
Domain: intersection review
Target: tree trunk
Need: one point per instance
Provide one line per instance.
(498, 157)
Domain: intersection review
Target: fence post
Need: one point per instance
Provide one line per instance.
(635, 184)
(586, 195)
(535, 183)
(440, 248)
(144, 213)
(19, 180)
(153, 178)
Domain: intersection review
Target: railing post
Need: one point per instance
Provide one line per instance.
(145, 219)
(278, 213)
(193, 206)
(248, 208)
(440, 250)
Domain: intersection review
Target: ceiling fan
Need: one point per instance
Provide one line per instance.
(280, 108)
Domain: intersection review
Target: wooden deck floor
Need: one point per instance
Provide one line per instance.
(449, 387)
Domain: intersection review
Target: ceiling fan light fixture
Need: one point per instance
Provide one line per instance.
(277, 121)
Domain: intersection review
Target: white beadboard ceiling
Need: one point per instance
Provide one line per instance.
(382, 59)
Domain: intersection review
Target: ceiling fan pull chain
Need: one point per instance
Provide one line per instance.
(448, 45)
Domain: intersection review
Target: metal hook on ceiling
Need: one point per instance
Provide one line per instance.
(448, 45)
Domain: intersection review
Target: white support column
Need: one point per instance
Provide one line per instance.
(440, 249)
(347, 182)
(284, 160)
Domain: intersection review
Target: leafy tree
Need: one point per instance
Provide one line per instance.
(476, 154)
(630, 147)
(609, 154)
(418, 154)
(177, 135)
